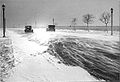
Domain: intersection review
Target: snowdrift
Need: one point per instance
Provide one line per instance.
(99, 58)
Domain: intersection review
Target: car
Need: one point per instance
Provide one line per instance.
(28, 28)
(51, 28)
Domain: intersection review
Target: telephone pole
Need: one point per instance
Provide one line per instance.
(119, 23)
(4, 22)
(111, 21)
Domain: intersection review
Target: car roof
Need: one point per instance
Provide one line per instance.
(28, 26)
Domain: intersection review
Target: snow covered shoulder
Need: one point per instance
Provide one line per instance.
(6, 59)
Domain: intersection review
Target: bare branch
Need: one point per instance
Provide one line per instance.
(105, 17)
(88, 18)
(74, 20)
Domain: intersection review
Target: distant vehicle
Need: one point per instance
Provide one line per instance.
(51, 28)
(28, 28)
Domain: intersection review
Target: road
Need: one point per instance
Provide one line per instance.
(32, 65)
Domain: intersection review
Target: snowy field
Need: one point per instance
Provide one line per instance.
(64, 56)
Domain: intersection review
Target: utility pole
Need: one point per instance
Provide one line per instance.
(119, 25)
(111, 21)
(4, 22)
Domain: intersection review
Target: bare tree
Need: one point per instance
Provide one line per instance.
(105, 18)
(74, 20)
(88, 19)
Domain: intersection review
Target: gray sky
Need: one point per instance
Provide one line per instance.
(20, 12)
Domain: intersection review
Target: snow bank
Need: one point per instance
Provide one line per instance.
(6, 59)
(99, 58)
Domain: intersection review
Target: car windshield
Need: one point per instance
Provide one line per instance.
(27, 26)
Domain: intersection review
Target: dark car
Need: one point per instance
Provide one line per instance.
(28, 29)
(51, 28)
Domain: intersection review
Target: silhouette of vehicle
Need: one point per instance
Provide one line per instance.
(51, 28)
(28, 28)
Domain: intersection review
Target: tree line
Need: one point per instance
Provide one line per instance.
(89, 19)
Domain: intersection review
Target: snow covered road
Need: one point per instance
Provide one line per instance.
(32, 65)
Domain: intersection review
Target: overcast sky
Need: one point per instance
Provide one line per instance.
(20, 12)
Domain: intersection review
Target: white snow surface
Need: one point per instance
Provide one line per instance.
(34, 66)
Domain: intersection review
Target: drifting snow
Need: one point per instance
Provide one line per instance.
(99, 58)
(34, 64)
(97, 52)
